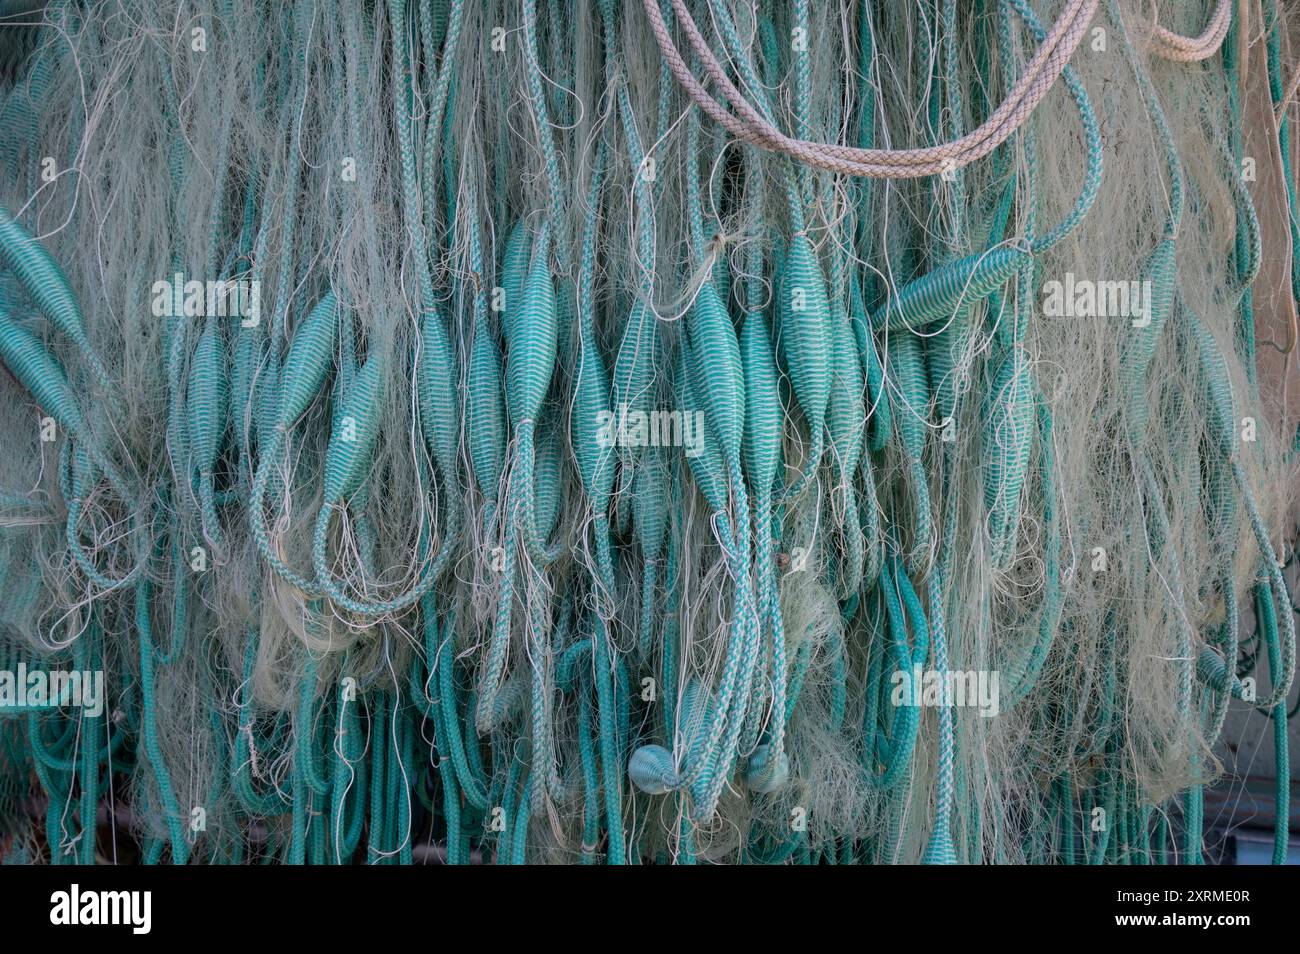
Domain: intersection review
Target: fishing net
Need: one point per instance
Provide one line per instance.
(642, 431)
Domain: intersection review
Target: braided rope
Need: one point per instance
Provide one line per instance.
(1041, 73)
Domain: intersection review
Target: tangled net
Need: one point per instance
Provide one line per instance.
(568, 432)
